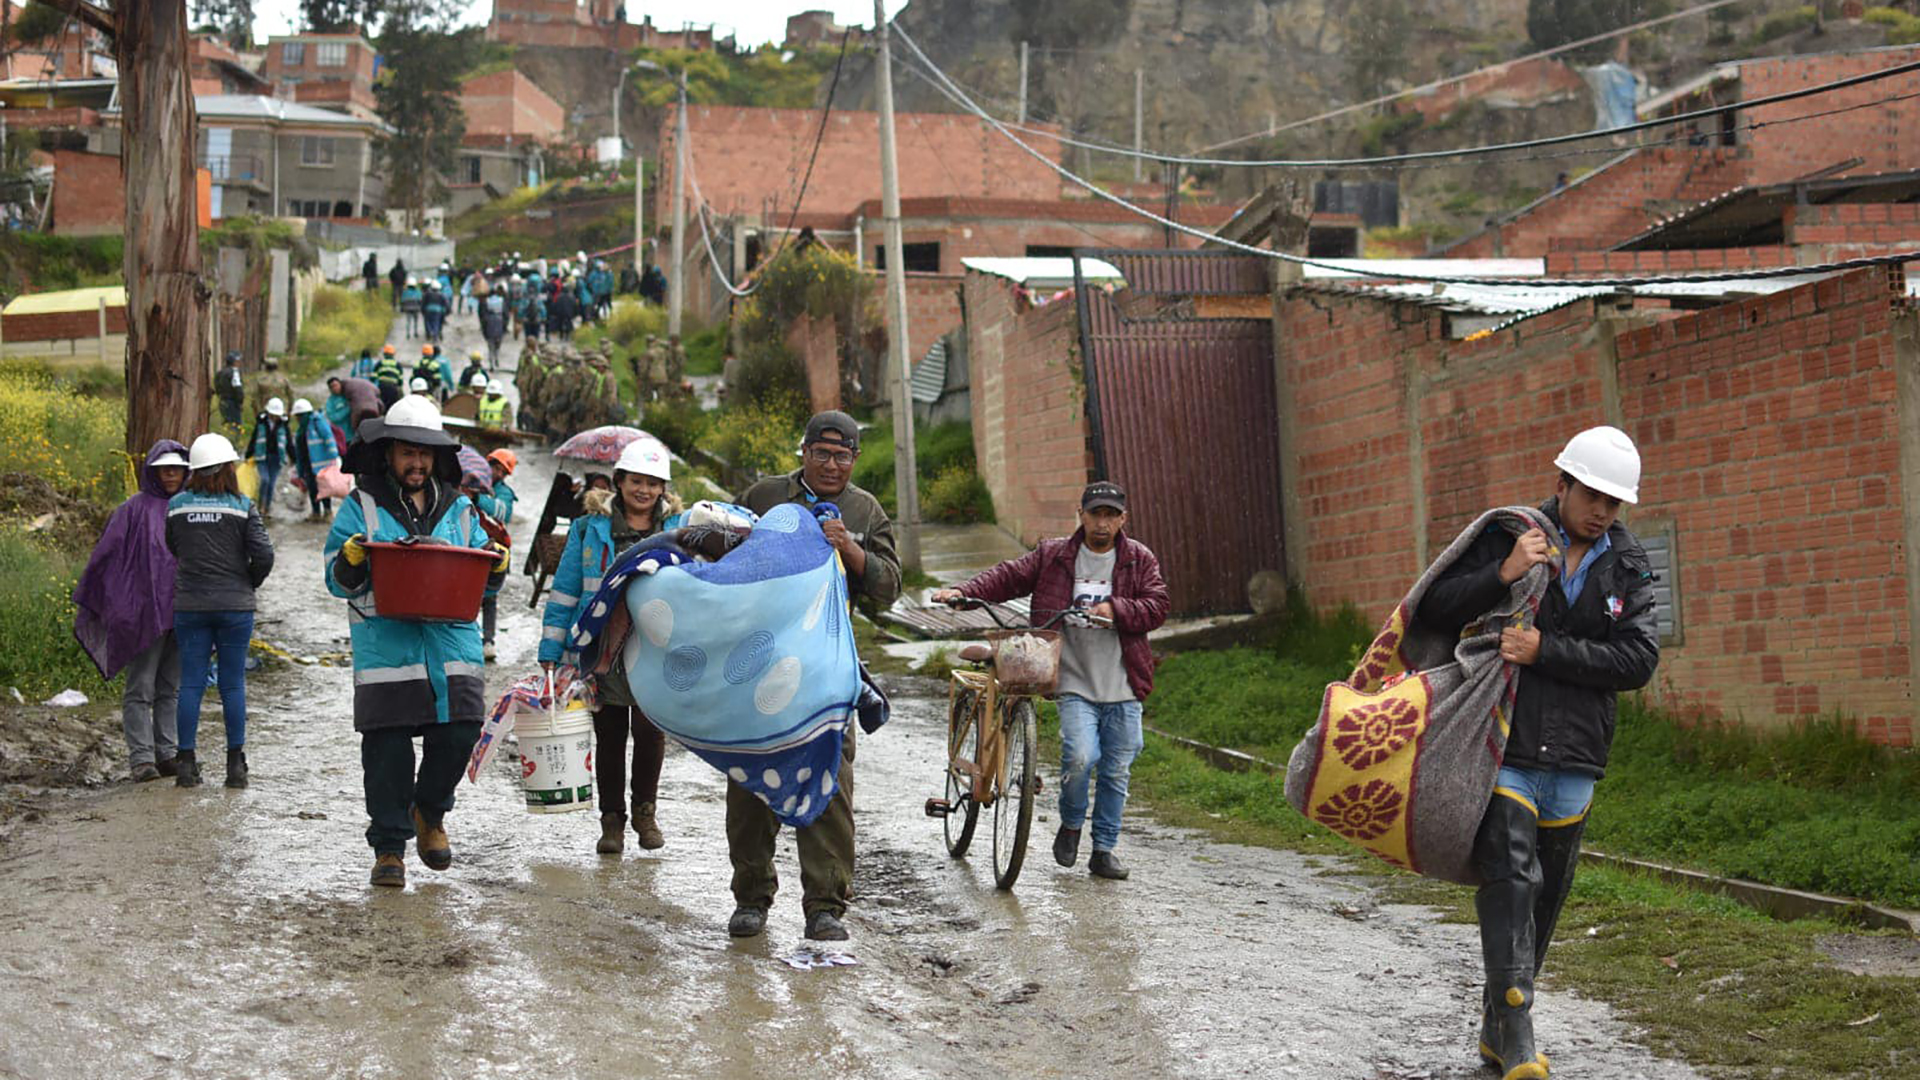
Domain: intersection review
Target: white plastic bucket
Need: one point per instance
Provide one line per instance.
(556, 761)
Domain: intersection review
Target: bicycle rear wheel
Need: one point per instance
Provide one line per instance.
(1013, 809)
(962, 812)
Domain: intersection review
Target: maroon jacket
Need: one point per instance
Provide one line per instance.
(1139, 596)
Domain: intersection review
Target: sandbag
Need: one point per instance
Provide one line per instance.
(1403, 757)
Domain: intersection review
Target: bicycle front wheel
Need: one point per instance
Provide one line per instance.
(1013, 809)
(962, 812)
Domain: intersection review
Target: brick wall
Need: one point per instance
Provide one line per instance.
(1769, 431)
(65, 325)
(745, 157)
(508, 104)
(88, 196)
(1611, 204)
(1884, 135)
(1620, 262)
(933, 308)
(1029, 414)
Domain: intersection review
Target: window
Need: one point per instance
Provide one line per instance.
(316, 150)
(920, 258)
(330, 54)
(1048, 251)
(470, 169)
(293, 54)
(1657, 537)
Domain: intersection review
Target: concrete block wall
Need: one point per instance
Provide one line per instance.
(1776, 453)
(1029, 409)
(933, 309)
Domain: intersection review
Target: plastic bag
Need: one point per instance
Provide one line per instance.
(249, 476)
(533, 694)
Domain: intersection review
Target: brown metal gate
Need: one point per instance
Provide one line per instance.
(1182, 409)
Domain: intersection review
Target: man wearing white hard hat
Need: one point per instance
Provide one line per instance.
(615, 520)
(270, 448)
(411, 679)
(492, 411)
(1593, 637)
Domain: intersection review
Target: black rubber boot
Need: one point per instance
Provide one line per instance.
(187, 772)
(1066, 846)
(237, 767)
(1559, 857)
(613, 834)
(747, 921)
(1504, 854)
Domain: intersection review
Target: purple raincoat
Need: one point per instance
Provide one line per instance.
(125, 595)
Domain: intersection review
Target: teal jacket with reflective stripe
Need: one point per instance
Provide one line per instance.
(406, 674)
(589, 552)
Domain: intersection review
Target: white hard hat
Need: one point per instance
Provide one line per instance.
(276, 407)
(418, 413)
(418, 385)
(172, 458)
(411, 280)
(301, 406)
(479, 381)
(494, 387)
(648, 457)
(209, 450)
(1604, 459)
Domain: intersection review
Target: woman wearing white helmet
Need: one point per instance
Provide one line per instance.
(223, 554)
(615, 520)
(270, 448)
(1594, 635)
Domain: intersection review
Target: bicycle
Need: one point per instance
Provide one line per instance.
(1004, 676)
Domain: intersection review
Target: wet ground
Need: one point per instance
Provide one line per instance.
(147, 931)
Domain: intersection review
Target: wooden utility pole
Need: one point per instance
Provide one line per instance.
(676, 280)
(168, 375)
(906, 473)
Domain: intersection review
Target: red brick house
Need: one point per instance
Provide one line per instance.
(328, 70)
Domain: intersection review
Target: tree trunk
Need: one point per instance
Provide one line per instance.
(168, 370)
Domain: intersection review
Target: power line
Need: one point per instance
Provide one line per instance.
(1438, 83)
(1300, 260)
(819, 137)
(1436, 155)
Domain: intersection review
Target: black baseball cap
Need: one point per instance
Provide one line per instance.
(837, 422)
(1104, 493)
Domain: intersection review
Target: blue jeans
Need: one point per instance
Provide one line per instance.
(1556, 797)
(1107, 734)
(269, 477)
(199, 634)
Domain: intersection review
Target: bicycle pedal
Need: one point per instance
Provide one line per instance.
(939, 808)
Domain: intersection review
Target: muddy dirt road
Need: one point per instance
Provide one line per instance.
(147, 931)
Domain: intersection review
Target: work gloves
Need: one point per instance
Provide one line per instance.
(354, 550)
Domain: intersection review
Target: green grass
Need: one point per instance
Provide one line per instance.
(341, 323)
(38, 653)
(707, 350)
(950, 489)
(41, 262)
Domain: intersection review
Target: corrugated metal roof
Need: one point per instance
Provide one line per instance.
(1475, 298)
(1353, 268)
(1652, 106)
(930, 374)
(1043, 273)
(51, 303)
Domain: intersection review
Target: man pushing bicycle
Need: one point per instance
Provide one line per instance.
(1105, 672)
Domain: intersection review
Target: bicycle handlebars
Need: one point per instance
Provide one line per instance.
(968, 603)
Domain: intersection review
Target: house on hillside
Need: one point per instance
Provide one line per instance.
(217, 69)
(267, 155)
(75, 51)
(587, 24)
(510, 124)
(333, 71)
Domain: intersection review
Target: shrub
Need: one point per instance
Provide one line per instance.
(938, 448)
(1781, 23)
(75, 442)
(760, 436)
(341, 322)
(630, 321)
(678, 422)
(707, 350)
(957, 495)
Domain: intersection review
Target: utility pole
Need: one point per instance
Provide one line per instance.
(675, 297)
(1023, 82)
(906, 473)
(1139, 117)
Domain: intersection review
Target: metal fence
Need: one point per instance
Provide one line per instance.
(1184, 415)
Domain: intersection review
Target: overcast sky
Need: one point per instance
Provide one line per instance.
(751, 21)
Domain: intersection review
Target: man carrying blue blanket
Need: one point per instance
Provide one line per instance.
(863, 535)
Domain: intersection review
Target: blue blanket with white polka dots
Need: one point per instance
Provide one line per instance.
(749, 661)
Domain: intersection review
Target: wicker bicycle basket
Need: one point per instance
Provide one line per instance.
(1026, 661)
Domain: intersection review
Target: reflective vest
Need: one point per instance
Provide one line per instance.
(493, 411)
(388, 372)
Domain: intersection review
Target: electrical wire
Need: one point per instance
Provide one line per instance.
(826, 111)
(1433, 155)
(1301, 260)
(706, 237)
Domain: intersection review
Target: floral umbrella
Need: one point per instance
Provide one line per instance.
(601, 444)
